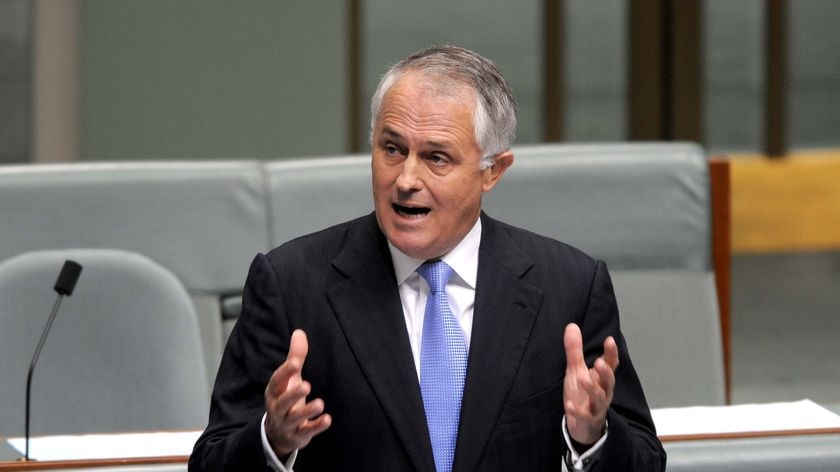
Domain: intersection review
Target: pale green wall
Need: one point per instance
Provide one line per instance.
(507, 32)
(15, 81)
(202, 79)
(213, 79)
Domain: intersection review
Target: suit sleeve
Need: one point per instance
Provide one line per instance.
(257, 346)
(632, 444)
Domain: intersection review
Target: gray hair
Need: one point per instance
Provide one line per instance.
(452, 68)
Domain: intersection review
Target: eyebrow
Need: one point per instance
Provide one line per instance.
(391, 133)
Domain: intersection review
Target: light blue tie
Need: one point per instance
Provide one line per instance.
(443, 365)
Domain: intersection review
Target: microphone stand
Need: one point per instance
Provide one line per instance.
(32, 368)
(65, 284)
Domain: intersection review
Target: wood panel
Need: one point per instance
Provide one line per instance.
(786, 204)
(719, 172)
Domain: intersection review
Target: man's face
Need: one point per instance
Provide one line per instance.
(427, 180)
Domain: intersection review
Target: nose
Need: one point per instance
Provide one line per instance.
(410, 176)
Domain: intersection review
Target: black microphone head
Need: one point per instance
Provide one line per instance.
(68, 277)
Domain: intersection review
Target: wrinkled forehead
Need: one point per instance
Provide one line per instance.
(437, 86)
(423, 103)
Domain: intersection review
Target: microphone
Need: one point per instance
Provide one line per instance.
(65, 284)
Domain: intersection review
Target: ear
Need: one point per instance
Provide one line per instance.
(493, 174)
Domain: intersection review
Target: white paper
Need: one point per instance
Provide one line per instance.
(107, 446)
(700, 420)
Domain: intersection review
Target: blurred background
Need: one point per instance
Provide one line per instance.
(755, 80)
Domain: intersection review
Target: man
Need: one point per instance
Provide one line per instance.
(428, 336)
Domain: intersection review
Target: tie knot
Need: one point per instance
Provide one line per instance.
(436, 273)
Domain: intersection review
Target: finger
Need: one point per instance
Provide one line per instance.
(584, 379)
(595, 390)
(571, 390)
(296, 436)
(292, 366)
(307, 421)
(306, 414)
(279, 381)
(573, 342)
(298, 346)
(606, 377)
(302, 411)
(284, 411)
(315, 426)
(286, 402)
(611, 352)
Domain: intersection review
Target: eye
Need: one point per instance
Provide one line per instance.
(391, 149)
(438, 159)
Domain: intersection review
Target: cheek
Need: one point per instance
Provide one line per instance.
(380, 178)
(462, 198)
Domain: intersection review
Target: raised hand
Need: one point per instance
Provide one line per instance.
(291, 421)
(587, 392)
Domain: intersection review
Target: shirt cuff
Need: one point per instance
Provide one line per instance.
(577, 461)
(274, 462)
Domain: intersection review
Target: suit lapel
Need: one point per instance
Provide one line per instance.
(368, 307)
(505, 310)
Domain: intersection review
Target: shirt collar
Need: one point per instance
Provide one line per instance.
(463, 258)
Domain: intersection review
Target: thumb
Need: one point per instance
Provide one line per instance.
(298, 346)
(573, 342)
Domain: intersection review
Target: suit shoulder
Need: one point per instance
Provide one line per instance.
(541, 247)
(320, 245)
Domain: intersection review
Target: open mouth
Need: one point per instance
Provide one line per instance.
(410, 211)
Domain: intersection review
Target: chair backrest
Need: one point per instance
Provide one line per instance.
(646, 210)
(203, 221)
(637, 206)
(124, 352)
(308, 195)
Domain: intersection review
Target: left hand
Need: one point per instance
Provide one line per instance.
(587, 393)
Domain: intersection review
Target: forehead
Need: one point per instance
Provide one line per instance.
(424, 103)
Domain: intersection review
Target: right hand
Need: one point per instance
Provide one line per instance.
(291, 422)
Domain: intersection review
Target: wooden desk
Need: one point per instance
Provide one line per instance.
(165, 451)
(814, 449)
(747, 435)
(93, 464)
(801, 451)
(812, 445)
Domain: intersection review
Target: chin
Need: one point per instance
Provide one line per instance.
(411, 247)
(411, 250)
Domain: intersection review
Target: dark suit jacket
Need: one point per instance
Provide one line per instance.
(339, 286)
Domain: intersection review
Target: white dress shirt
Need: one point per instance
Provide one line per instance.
(460, 292)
